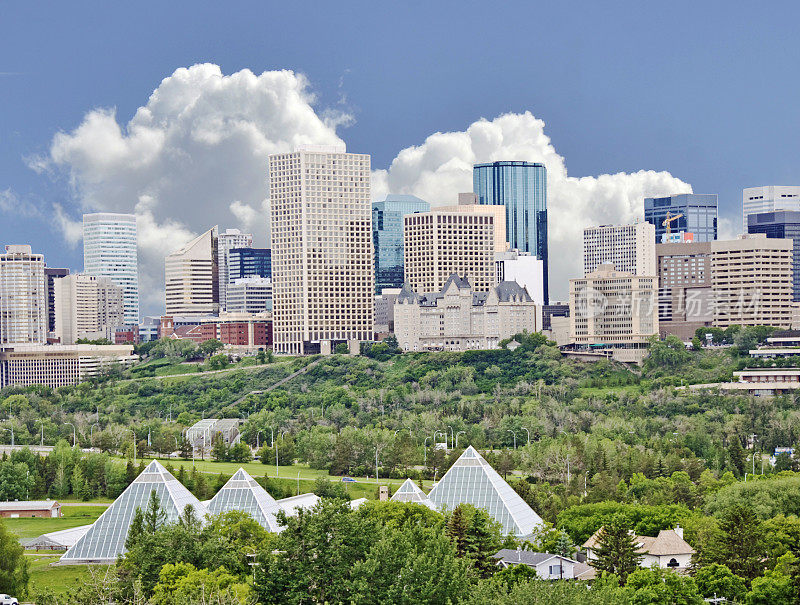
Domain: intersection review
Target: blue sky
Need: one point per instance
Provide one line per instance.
(707, 91)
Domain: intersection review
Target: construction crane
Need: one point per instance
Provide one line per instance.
(668, 221)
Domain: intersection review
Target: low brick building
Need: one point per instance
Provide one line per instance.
(30, 508)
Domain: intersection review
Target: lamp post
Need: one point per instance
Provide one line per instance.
(377, 447)
(515, 437)
(298, 483)
(74, 433)
(425, 450)
(529, 434)
(134, 448)
(258, 440)
(91, 433)
(271, 437)
(457, 434)
(275, 443)
(12, 434)
(452, 440)
(42, 421)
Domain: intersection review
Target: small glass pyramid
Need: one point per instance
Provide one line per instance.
(105, 539)
(472, 480)
(411, 492)
(243, 493)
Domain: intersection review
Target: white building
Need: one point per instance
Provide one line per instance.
(23, 303)
(87, 307)
(548, 566)
(630, 248)
(523, 268)
(232, 238)
(109, 250)
(192, 277)
(667, 550)
(322, 253)
(459, 239)
(457, 318)
(769, 199)
(250, 295)
(58, 365)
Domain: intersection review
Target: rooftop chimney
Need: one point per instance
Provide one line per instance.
(679, 531)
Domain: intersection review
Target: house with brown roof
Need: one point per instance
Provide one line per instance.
(668, 549)
(548, 566)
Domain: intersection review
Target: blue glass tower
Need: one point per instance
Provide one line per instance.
(249, 262)
(784, 224)
(522, 188)
(699, 214)
(387, 237)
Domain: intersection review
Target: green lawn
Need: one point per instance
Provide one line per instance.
(57, 578)
(73, 516)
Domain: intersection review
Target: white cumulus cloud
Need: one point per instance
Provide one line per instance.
(441, 167)
(193, 156)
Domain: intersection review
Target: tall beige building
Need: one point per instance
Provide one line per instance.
(630, 248)
(322, 253)
(192, 278)
(746, 281)
(460, 239)
(87, 307)
(613, 309)
(23, 304)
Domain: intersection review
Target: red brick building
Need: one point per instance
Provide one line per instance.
(30, 508)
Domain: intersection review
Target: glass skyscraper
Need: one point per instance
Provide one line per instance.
(781, 225)
(109, 250)
(249, 262)
(522, 188)
(699, 214)
(387, 237)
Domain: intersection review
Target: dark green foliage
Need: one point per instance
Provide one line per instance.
(616, 549)
(13, 565)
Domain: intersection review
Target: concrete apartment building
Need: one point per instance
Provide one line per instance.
(250, 295)
(87, 307)
(460, 239)
(746, 281)
(192, 277)
(630, 248)
(322, 253)
(23, 303)
(613, 310)
(110, 250)
(460, 318)
(58, 365)
(230, 240)
(769, 198)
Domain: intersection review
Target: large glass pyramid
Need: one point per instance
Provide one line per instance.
(471, 480)
(106, 537)
(243, 493)
(410, 492)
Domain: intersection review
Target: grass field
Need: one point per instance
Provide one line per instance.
(56, 578)
(73, 516)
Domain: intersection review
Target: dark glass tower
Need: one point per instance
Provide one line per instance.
(249, 262)
(699, 212)
(522, 188)
(387, 237)
(784, 224)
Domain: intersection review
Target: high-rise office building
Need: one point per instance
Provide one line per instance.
(459, 239)
(630, 248)
(523, 268)
(250, 295)
(51, 274)
(109, 250)
(249, 262)
(522, 188)
(322, 259)
(23, 305)
(232, 238)
(87, 307)
(782, 224)
(387, 237)
(769, 198)
(698, 215)
(192, 277)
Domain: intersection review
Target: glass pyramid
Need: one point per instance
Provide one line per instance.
(243, 493)
(411, 492)
(105, 539)
(471, 480)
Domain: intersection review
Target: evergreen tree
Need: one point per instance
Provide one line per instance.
(741, 546)
(457, 527)
(154, 515)
(136, 529)
(736, 456)
(617, 550)
(480, 543)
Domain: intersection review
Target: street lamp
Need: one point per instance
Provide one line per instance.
(298, 483)
(457, 434)
(134, 445)
(452, 440)
(12, 434)
(425, 450)
(529, 434)
(91, 433)
(515, 437)
(258, 440)
(377, 447)
(42, 421)
(74, 434)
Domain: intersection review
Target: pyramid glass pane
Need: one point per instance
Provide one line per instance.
(410, 492)
(243, 493)
(105, 539)
(471, 480)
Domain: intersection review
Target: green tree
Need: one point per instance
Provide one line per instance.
(616, 549)
(741, 544)
(658, 586)
(773, 588)
(183, 583)
(209, 347)
(13, 564)
(218, 362)
(240, 452)
(718, 580)
(457, 527)
(154, 514)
